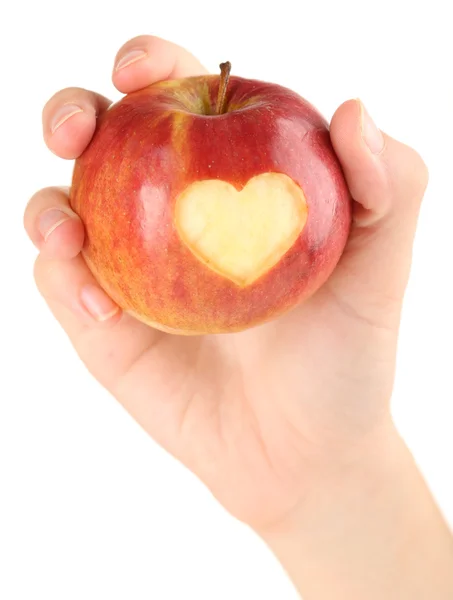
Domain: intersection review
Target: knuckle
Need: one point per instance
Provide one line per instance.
(54, 193)
(39, 273)
(139, 40)
(46, 274)
(64, 96)
(48, 197)
(420, 175)
(35, 200)
(412, 180)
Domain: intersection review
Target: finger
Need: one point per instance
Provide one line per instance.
(385, 176)
(387, 180)
(69, 120)
(147, 59)
(52, 226)
(108, 341)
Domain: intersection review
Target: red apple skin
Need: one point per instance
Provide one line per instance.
(154, 143)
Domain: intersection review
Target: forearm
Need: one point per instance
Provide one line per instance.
(374, 533)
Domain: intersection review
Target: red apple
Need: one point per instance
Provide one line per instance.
(211, 204)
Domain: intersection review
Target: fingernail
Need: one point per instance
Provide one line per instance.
(130, 58)
(64, 114)
(49, 220)
(97, 303)
(371, 134)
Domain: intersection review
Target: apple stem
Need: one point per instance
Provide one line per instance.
(225, 70)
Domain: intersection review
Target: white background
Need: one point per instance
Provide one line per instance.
(90, 507)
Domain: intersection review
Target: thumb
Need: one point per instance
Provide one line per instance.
(387, 180)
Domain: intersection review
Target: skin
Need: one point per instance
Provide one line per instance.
(141, 262)
(289, 423)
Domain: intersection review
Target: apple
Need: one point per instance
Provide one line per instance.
(211, 204)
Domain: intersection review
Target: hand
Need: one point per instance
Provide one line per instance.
(266, 416)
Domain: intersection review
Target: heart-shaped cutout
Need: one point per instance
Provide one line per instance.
(241, 234)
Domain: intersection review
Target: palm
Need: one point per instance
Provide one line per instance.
(217, 404)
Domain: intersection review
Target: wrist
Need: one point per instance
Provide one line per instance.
(355, 473)
(367, 529)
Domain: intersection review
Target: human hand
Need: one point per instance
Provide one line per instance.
(262, 417)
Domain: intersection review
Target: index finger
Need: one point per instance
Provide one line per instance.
(147, 59)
